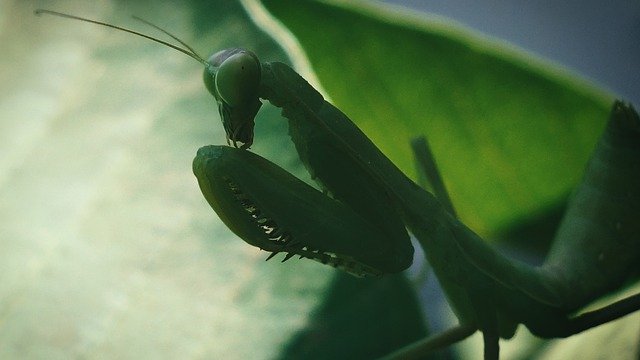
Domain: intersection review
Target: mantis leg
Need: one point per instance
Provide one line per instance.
(490, 335)
(596, 318)
(419, 349)
(491, 345)
(427, 167)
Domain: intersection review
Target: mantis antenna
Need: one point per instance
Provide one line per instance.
(189, 51)
(232, 76)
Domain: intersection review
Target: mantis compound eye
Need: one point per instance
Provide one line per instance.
(238, 78)
(233, 78)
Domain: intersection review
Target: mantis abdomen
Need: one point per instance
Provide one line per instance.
(596, 246)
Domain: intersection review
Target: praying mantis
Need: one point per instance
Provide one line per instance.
(359, 222)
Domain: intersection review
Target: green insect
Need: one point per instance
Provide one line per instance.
(358, 223)
(488, 292)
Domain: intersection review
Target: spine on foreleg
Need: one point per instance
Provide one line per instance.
(597, 247)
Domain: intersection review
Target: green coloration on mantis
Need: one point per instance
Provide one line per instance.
(235, 193)
(361, 227)
(487, 291)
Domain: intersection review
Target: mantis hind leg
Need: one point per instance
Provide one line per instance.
(491, 345)
(421, 348)
(593, 318)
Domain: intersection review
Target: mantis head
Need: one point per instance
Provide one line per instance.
(233, 78)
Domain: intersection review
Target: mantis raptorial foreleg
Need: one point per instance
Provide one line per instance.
(362, 230)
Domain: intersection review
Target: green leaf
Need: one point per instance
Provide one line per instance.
(511, 134)
(107, 247)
